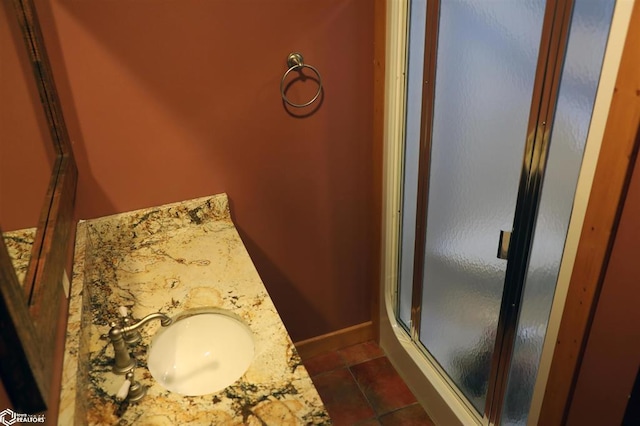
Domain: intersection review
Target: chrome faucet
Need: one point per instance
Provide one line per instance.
(123, 361)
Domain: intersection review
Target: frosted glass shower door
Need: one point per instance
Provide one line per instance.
(487, 54)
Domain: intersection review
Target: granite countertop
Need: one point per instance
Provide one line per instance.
(171, 259)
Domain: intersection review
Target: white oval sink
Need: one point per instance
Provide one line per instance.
(201, 353)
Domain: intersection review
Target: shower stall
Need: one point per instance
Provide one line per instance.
(485, 144)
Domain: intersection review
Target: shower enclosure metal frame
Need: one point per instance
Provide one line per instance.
(554, 36)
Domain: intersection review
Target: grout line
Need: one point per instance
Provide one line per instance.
(328, 371)
(400, 408)
(339, 352)
(376, 415)
(366, 360)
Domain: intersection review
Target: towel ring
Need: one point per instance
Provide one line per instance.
(295, 61)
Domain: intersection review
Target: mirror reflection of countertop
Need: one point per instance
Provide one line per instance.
(19, 245)
(171, 259)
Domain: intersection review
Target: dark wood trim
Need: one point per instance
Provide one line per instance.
(379, 61)
(339, 339)
(611, 356)
(598, 231)
(30, 316)
(52, 261)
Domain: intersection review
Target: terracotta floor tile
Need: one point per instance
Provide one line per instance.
(323, 363)
(413, 415)
(361, 352)
(382, 385)
(342, 397)
(370, 422)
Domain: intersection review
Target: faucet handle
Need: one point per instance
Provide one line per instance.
(131, 390)
(136, 390)
(124, 389)
(124, 312)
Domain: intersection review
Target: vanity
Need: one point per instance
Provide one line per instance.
(179, 258)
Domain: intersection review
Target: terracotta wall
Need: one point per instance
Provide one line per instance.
(26, 149)
(168, 100)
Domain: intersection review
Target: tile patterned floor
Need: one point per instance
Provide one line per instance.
(360, 387)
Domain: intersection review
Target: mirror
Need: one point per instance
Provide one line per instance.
(29, 313)
(27, 154)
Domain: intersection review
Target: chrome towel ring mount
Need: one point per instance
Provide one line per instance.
(295, 62)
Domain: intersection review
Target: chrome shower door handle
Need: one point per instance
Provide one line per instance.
(503, 244)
